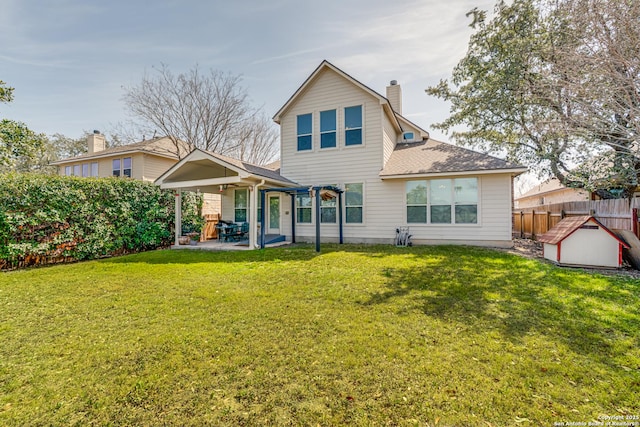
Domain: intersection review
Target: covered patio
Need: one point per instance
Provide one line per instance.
(207, 172)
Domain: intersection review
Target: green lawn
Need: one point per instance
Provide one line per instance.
(355, 335)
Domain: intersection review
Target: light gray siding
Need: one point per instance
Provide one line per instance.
(389, 136)
(154, 166)
(384, 201)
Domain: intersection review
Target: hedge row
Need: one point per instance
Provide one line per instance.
(47, 219)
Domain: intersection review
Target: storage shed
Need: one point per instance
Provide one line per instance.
(583, 241)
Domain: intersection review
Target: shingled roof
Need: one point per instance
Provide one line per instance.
(162, 146)
(570, 224)
(436, 157)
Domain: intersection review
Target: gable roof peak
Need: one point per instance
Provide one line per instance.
(386, 105)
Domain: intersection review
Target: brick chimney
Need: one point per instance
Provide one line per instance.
(394, 95)
(96, 142)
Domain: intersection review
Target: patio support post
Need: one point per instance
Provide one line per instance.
(262, 227)
(293, 217)
(178, 215)
(340, 217)
(317, 191)
(254, 241)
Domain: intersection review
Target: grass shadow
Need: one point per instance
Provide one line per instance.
(490, 290)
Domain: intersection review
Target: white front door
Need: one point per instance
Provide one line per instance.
(273, 218)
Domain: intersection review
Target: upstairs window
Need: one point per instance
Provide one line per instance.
(353, 125)
(328, 129)
(305, 126)
(116, 167)
(126, 167)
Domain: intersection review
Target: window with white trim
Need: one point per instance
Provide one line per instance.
(328, 210)
(115, 167)
(76, 170)
(85, 169)
(126, 167)
(442, 201)
(94, 169)
(416, 198)
(68, 170)
(354, 203)
(353, 125)
(328, 129)
(466, 200)
(305, 131)
(303, 208)
(241, 205)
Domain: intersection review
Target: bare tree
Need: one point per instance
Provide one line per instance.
(258, 141)
(601, 69)
(207, 111)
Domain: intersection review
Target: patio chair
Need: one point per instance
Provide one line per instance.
(227, 230)
(242, 232)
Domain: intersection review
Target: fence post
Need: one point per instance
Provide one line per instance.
(521, 224)
(634, 221)
(533, 224)
(548, 221)
(562, 214)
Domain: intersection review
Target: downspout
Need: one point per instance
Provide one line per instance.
(178, 215)
(253, 223)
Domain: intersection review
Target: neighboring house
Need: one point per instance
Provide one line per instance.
(338, 133)
(549, 192)
(145, 160)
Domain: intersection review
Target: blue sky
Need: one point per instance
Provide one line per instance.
(69, 60)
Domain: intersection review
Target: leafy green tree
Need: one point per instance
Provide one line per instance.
(6, 92)
(64, 147)
(20, 147)
(551, 84)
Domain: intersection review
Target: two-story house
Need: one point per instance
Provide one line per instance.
(144, 160)
(338, 134)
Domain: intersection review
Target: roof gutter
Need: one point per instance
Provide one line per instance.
(513, 171)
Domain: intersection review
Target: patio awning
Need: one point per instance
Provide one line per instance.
(205, 171)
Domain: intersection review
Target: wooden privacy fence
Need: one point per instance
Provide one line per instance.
(619, 214)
